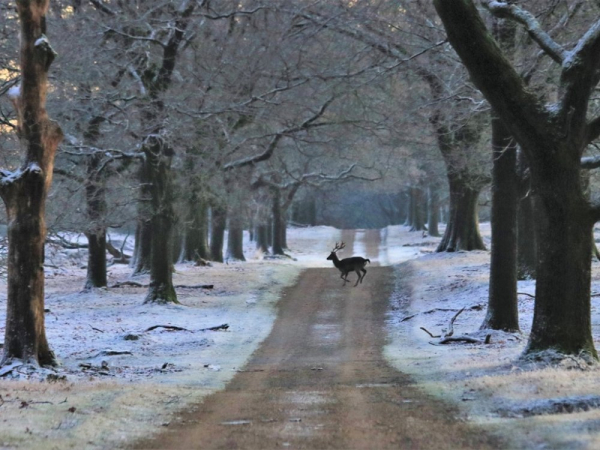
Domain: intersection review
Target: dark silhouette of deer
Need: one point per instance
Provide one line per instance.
(347, 265)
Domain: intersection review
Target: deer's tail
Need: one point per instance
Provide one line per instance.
(368, 260)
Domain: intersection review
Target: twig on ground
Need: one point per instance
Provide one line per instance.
(194, 286)
(430, 334)
(96, 329)
(450, 331)
(525, 293)
(223, 326)
(461, 338)
(168, 327)
(449, 337)
(129, 283)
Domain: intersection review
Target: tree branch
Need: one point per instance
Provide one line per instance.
(308, 123)
(511, 11)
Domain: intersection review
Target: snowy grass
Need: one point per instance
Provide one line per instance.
(108, 400)
(486, 381)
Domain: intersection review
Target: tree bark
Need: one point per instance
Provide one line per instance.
(24, 194)
(433, 206)
(562, 308)
(502, 311)
(527, 240)
(262, 237)
(95, 193)
(418, 209)
(235, 238)
(158, 161)
(142, 256)
(196, 232)
(278, 222)
(217, 236)
(462, 228)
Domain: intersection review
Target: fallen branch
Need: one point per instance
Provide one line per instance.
(430, 334)
(111, 353)
(167, 327)
(129, 283)
(525, 293)
(118, 255)
(450, 331)
(477, 307)
(449, 337)
(461, 338)
(223, 326)
(194, 286)
(178, 286)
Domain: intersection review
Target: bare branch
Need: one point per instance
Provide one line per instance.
(511, 11)
(590, 162)
(308, 123)
(99, 4)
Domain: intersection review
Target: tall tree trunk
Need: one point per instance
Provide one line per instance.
(158, 158)
(462, 228)
(96, 235)
(24, 193)
(235, 238)
(433, 206)
(418, 205)
(283, 230)
(262, 237)
(564, 228)
(502, 312)
(196, 232)
(217, 235)
(177, 244)
(410, 210)
(526, 237)
(278, 222)
(142, 256)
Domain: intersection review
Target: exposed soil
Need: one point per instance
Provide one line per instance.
(320, 381)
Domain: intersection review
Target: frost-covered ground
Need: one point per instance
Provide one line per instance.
(124, 382)
(109, 399)
(488, 382)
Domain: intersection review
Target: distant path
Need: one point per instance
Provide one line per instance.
(319, 381)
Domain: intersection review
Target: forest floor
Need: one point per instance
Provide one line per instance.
(123, 382)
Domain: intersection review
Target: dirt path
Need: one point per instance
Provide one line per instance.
(319, 381)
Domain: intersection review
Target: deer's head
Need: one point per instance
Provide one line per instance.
(332, 255)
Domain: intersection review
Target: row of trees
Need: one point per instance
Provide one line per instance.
(170, 110)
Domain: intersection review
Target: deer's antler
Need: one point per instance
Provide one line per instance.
(338, 247)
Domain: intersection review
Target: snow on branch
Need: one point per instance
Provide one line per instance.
(510, 11)
(590, 162)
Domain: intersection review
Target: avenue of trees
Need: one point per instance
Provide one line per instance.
(186, 122)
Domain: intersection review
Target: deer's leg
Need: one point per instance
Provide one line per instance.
(357, 273)
(344, 277)
(364, 273)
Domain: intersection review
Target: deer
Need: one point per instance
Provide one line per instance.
(347, 265)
